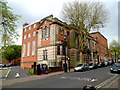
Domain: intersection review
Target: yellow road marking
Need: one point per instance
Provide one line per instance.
(106, 81)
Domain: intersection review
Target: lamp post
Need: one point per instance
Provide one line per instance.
(65, 43)
(69, 63)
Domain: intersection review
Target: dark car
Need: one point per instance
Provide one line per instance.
(8, 64)
(81, 67)
(99, 65)
(115, 68)
(93, 66)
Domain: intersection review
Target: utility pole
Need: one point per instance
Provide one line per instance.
(64, 45)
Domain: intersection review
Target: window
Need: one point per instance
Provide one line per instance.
(33, 48)
(29, 27)
(58, 50)
(24, 50)
(34, 25)
(25, 29)
(28, 49)
(45, 32)
(29, 35)
(63, 50)
(44, 54)
(24, 36)
(34, 33)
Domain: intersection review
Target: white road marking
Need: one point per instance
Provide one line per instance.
(79, 78)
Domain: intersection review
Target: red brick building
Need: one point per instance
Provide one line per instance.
(29, 44)
(42, 42)
(101, 46)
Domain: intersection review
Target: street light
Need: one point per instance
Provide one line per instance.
(64, 45)
(69, 63)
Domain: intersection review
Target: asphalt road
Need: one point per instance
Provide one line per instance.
(14, 70)
(68, 80)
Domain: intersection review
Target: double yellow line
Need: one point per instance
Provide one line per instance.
(106, 81)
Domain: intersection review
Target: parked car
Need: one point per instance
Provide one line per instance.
(109, 62)
(81, 67)
(2, 65)
(115, 68)
(93, 66)
(99, 65)
(105, 64)
(8, 64)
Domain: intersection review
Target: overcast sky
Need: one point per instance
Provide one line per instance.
(34, 10)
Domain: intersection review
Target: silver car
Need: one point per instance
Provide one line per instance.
(81, 67)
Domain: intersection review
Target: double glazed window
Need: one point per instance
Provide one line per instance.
(44, 54)
(45, 32)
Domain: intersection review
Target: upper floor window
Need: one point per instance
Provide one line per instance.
(45, 32)
(58, 50)
(29, 27)
(29, 35)
(34, 25)
(25, 30)
(24, 36)
(34, 33)
(44, 54)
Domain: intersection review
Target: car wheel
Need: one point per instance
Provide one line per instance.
(111, 71)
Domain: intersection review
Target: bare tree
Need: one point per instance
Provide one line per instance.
(84, 17)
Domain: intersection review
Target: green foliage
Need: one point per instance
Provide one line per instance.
(73, 62)
(11, 52)
(72, 40)
(115, 49)
(8, 24)
(31, 71)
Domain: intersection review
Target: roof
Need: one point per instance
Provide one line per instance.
(98, 33)
(54, 20)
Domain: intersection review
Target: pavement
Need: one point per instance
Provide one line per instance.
(111, 84)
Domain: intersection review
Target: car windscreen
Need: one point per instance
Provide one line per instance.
(90, 64)
(79, 65)
(116, 64)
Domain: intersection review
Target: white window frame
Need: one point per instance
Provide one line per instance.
(28, 49)
(24, 50)
(34, 33)
(25, 36)
(29, 27)
(34, 25)
(33, 47)
(29, 35)
(25, 30)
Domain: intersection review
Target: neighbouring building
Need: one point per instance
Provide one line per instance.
(29, 44)
(102, 46)
(43, 42)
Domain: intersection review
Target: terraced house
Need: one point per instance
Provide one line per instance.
(43, 42)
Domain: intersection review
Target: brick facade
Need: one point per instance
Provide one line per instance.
(48, 36)
(29, 44)
(102, 46)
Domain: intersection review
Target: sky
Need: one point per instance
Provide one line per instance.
(34, 10)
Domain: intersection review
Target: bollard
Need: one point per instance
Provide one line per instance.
(38, 69)
(89, 87)
(34, 67)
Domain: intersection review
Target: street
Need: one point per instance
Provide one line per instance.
(68, 80)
